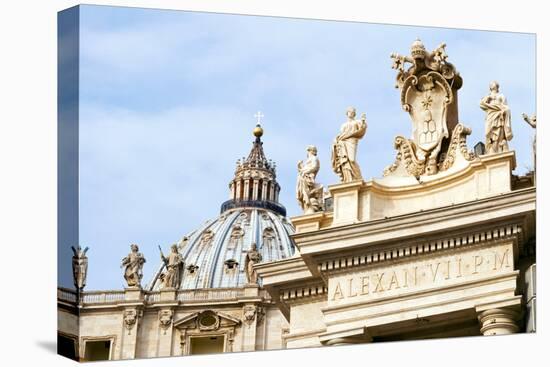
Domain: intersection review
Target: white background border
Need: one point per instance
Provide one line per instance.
(28, 62)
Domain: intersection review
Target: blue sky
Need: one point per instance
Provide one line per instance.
(167, 104)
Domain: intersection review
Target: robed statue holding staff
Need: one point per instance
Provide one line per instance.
(171, 278)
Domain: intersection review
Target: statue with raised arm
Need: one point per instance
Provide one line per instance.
(498, 125)
(308, 192)
(171, 278)
(253, 256)
(344, 148)
(133, 266)
(80, 267)
(532, 121)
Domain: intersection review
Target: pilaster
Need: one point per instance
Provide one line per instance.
(165, 318)
(250, 320)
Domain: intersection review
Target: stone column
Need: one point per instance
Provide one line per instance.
(530, 292)
(246, 189)
(498, 321)
(264, 190)
(255, 190)
(232, 190)
(238, 193)
(270, 196)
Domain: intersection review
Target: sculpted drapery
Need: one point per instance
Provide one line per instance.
(344, 148)
(308, 192)
(171, 278)
(133, 267)
(498, 125)
(253, 256)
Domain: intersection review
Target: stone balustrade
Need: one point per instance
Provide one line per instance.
(151, 297)
(102, 297)
(209, 294)
(67, 295)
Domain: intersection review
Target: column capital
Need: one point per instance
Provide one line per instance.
(499, 321)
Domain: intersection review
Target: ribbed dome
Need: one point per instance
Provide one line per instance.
(219, 247)
(215, 254)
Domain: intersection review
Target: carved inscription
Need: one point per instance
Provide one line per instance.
(419, 275)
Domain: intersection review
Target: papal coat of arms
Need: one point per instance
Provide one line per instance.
(429, 94)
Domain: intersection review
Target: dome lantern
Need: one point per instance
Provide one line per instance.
(254, 183)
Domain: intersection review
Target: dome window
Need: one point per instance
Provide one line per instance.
(236, 234)
(231, 264)
(268, 236)
(192, 268)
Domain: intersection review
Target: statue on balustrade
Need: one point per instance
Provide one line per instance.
(532, 121)
(171, 278)
(80, 267)
(344, 148)
(308, 192)
(498, 125)
(253, 256)
(133, 266)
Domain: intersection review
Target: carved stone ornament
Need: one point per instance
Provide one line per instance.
(429, 95)
(249, 314)
(207, 237)
(165, 319)
(237, 232)
(208, 320)
(204, 323)
(80, 267)
(260, 314)
(130, 319)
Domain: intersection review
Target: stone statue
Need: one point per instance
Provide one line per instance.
(344, 148)
(308, 192)
(498, 125)
(133, 267)
(253, 256)
(171, 278)
(80, 267)
(532, 121)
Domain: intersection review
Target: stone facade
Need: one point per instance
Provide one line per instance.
(443, 245)
(143, 324)
(441, 258)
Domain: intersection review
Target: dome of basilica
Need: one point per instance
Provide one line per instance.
(214, 255)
